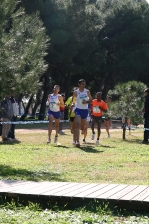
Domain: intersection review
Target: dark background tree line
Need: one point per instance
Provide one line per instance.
(104, 42)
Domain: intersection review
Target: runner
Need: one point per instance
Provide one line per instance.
(97, 107)
(62, 109)
(83, 98)
(55, 101)
(71, 114)
(87, 124)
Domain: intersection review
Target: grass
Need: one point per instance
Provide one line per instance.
(113, 161)
(94, 213)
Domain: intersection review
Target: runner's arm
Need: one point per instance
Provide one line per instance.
(89, 98)
(61, 103)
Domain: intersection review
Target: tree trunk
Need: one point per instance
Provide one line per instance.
(124, 128)
(46, 88)
(37, 103)
(27, 108)
(67, 86)
(124, 133)
(19, 102)
(106, 88)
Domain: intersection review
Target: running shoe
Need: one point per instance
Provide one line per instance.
(55, 139)
(84, 140)
(61, 132)
(49, 141)
(77, 144)
(73, 142)
(93, 136)
(97, 142)
(108, 136)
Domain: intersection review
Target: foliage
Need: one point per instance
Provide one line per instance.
(24, 45)
(97, 40)
(15, 212)
(129, 101)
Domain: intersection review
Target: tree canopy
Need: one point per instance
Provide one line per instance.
(104, 42)
(23, 43)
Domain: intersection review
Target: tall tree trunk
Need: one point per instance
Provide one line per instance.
(67, 86)
(37, 103)
(20, 97)
(106, 88)
(27, 108)
(46, 87)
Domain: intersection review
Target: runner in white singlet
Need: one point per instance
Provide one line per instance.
(83, 98)
(55, 101)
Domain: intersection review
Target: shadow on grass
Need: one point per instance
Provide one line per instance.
(9, 173)
(61, 146)
(13, 142)
(107, 146)
(90, 149)
(136, 141)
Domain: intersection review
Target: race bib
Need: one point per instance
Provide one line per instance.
(96, 109)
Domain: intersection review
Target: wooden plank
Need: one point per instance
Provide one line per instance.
(31, 188)
(143, 195)
(71, 192)
(112, 191)
(129, 196)
(90, 191)
(19, 185)
(58, 189)
(146, 199)
(8, 182)
(55, 187)
(99, 192)
(123, 192)
(71, 187)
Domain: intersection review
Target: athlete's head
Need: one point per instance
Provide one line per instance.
(81, 82)
(98, 96)
(56, 88)
(75, 88)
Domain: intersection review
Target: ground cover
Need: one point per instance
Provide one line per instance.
(113, 161)
(94, 213)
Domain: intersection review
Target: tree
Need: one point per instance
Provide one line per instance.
(124, 41)
(128, 101)
(24, 42)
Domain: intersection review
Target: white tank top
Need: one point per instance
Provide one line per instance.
(80, 97)
(53, 103)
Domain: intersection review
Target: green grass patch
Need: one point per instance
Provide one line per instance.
(15, 212)
(113, 161)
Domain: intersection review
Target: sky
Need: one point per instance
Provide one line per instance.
(147, 1)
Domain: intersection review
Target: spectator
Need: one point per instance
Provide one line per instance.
(15, 108)
(146, 116)
(7, 113)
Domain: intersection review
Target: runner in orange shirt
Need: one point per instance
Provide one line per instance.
(97, 107)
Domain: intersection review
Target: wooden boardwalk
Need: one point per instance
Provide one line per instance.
(135, 197)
